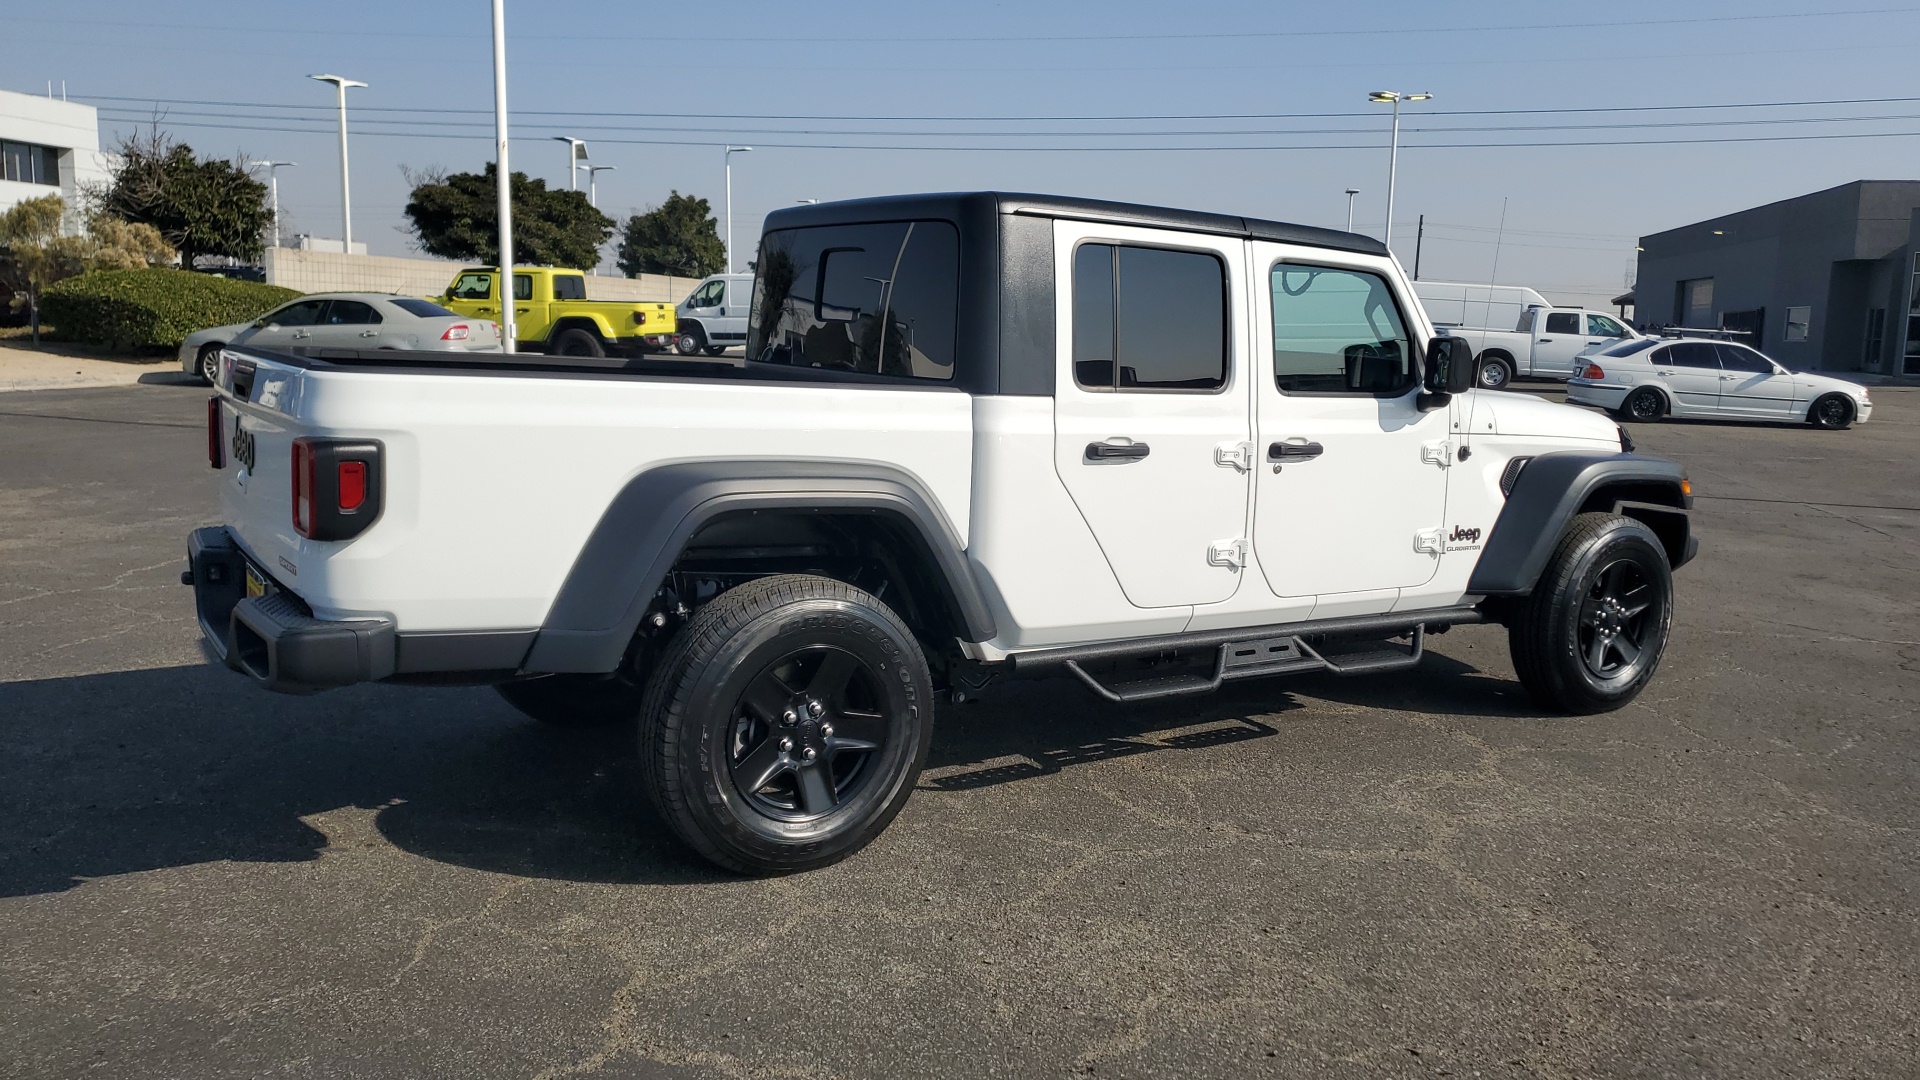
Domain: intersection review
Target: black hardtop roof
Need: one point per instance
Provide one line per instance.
(960, 206)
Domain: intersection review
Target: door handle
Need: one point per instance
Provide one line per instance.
(1544, 341)
(520, 311)
(1293, 451)
(484, 310)
(369, 333)
(301, 333)
(1663, 373)
(1109, 451)
(1729, 378)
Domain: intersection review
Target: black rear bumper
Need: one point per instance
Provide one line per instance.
(274, 639)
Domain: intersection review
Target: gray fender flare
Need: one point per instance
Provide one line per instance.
(649, 522)
(1551, 489)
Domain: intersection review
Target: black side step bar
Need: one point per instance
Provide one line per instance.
(1246, 652)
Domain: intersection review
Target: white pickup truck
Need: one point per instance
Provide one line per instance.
(1545, 345)
(976, 437)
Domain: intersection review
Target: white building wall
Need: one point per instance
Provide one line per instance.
(331, 271)
(67, 126)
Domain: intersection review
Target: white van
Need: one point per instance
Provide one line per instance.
(714, 314)
(1492, 307)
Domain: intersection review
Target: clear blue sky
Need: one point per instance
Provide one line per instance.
(1572, 212)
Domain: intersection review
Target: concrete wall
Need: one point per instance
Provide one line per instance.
(331, 271)
(67, 126)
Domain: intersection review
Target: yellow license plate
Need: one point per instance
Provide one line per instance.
(256, 584)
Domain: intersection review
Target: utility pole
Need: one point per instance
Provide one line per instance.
(340, 85)
(503, 177)
(1419, 240)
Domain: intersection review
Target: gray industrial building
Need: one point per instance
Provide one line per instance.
(1828, 281)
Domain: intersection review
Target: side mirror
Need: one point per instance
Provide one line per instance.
(1449, 370)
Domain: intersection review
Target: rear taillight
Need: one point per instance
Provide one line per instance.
(1593, 372)
(216, 434)
(456, 332)
(336, 487)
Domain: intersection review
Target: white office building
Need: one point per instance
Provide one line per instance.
(47, 147)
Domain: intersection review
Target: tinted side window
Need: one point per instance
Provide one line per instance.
(1563, 322)
(565, 287)
(424, 309)
(1338, 332)
(1149, 319)
(523, 286)
(351, 313)
(304, 313)
(1693, 354)
(880, 298)
(1737, 358)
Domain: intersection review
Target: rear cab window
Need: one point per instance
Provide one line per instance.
(878, 299)
(565, 287)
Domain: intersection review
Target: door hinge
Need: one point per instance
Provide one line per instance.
(1237, 454)
(1428, 541)
(1230, 553)
(1437, 453)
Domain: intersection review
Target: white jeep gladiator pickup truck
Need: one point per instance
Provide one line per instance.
(976, 437)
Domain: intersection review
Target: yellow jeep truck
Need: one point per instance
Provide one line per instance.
(552, 314)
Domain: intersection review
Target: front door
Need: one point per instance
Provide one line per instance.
(290, 326)
(1751, 386)
(1150, 406)
(1351, 484)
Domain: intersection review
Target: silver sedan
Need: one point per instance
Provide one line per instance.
(343, 321)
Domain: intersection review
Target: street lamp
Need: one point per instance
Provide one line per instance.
(273, 188)
(806, 202)
(728, 158)
(1393, 154)
(1351, 192)
(593, 171)
(576, 153)
(340, 85)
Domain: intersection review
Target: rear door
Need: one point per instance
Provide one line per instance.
(1351, 486)
(1150, 406)
(349, 324)
(1690, 370)
(1751, 386)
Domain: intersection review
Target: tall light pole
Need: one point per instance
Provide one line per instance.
(1351, 192)
(502, 175)
(576, 153)
(728, 156)
(273, 189)
(593, 173)
(340, 85)
(1393, 154)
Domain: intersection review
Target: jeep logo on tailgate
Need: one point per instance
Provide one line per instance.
(243, 446)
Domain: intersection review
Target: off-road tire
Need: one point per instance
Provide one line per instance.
(690, 342)
(1831, 411)
(577, 342)
(1551, 635)
(1643, 405)
(693, 753)
(207, 364)
(577, 701)
(1495, 373)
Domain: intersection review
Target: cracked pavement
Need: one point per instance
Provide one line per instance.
(1410, 875)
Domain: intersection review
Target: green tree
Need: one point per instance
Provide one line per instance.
(680, 237)
(34, 253)
(456, 217)
(200, 206)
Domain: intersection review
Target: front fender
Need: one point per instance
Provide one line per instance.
(1554, 487)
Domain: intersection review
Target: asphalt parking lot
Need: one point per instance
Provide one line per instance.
(1409, 875)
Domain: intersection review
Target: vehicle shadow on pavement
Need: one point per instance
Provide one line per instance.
(141, 770)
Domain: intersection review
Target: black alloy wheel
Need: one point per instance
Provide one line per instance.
(1495, 374)
(785, 724)
(1590, 635)
(804, 732)
(210, 363)
(1832, 412)
(1616, 619)
(1644, 405)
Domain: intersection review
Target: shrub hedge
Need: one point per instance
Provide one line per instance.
(142, 309)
